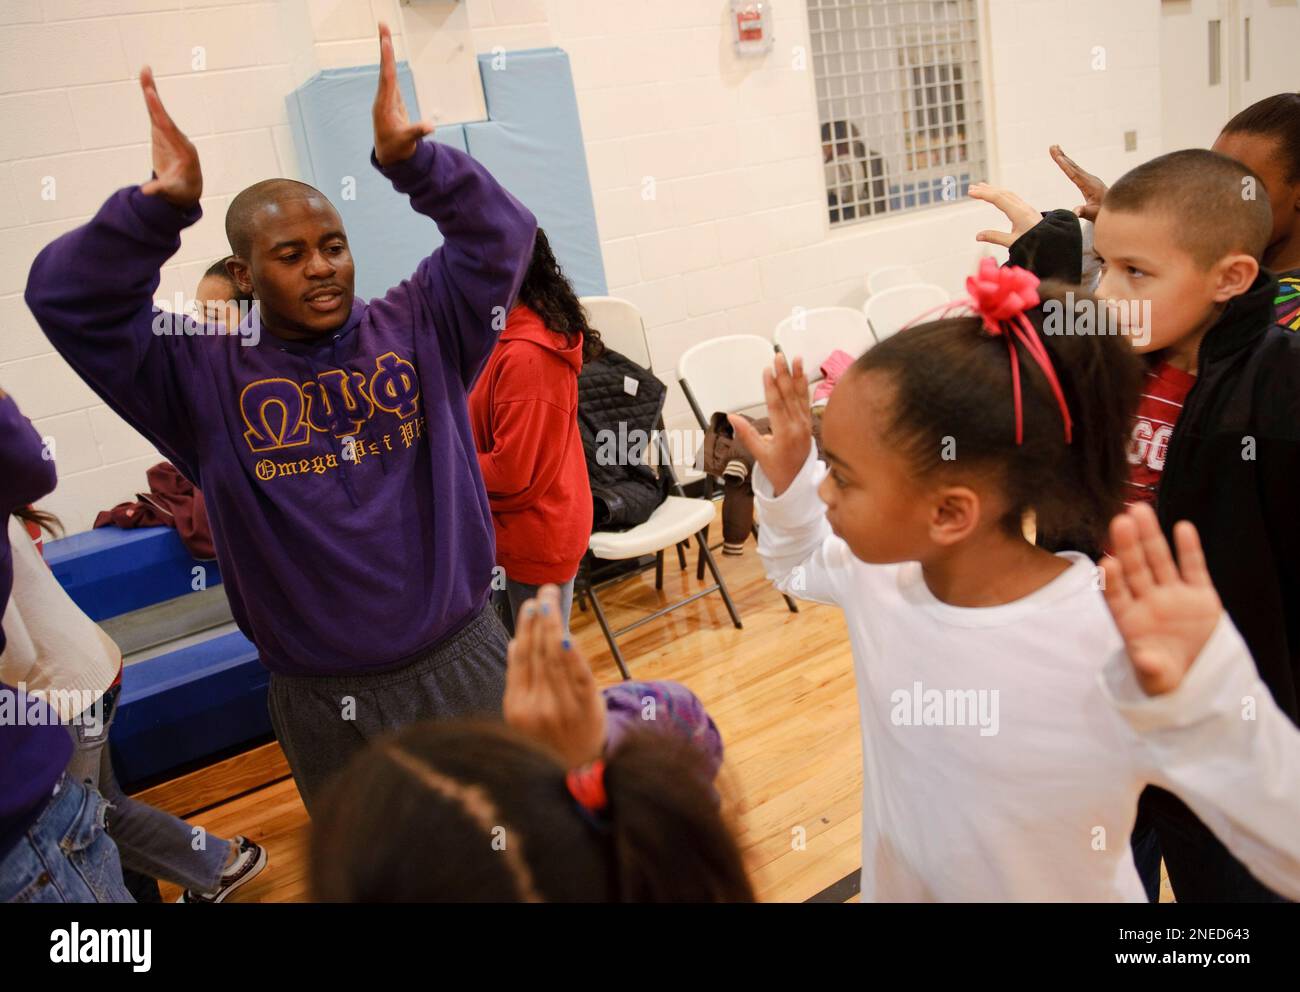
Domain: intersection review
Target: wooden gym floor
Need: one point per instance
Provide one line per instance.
(781, 692)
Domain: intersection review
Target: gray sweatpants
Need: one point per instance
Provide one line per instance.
(321, 721)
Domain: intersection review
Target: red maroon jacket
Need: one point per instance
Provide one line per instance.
(524, 414)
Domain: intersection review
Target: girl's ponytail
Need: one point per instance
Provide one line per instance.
(669, 840)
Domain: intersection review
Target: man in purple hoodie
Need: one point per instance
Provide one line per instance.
(335, 454)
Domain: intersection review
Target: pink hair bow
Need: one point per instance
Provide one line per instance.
(1000, 295)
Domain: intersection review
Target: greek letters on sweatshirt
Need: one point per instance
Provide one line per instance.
(340, 475)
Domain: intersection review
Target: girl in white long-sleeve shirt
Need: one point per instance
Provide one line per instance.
(1006, 732)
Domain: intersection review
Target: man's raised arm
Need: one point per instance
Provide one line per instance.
(92, 289)
(471, 281)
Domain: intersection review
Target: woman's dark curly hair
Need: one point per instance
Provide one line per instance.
(549, 294)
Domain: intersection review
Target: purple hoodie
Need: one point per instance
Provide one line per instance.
(33, 752)
(25, 476)
(340, 476)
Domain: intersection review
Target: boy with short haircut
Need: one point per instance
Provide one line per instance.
(1217, 437)
(334, 454)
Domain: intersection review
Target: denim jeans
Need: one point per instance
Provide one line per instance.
(66, 855)
(148, 840)
(510, 600)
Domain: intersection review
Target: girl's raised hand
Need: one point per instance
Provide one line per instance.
(1023, 217)
(396, 137)
(177, 176)
(782, 453)
(1092, 188)
(1165, 612)
(551, 694)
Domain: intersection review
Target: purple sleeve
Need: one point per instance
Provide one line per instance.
(25, 473)
(92, 291)
(488, 244)
(665, 706)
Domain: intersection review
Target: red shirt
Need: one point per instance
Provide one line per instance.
(1163, 394)
(523, 411)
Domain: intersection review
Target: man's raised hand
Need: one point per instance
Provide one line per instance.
(177, 176)
(396, 138)
(782, 453)
(1092, 188)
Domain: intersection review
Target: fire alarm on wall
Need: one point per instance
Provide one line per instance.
(751, 26)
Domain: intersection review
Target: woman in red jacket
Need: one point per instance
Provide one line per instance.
(524, 414)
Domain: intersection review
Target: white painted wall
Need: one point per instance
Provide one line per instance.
(735, 236)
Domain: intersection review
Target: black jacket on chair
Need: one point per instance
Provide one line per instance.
(619, 405)
(1233, 464)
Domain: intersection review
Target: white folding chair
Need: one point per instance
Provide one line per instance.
(892, 309)
(674, 522)
(890, 276)
(813, 334)
(726, 375)
(620, 325)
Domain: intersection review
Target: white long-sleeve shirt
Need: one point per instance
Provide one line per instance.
(53, 650)
(1004, 748)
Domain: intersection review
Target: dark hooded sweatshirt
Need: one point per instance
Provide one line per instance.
(1233, 464)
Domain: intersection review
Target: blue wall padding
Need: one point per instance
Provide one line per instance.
(532, 143)
(110, 571)
(330, 116)
(183, 706)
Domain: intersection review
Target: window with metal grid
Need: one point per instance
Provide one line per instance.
(898, 95)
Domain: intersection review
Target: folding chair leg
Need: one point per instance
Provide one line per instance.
(681, 553)
(707, 556)
(699, 565)
(659, 569)
(609, 634)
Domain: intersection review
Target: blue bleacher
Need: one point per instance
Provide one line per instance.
(180, 706)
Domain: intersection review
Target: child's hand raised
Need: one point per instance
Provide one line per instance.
(782, 453)
(1023, 217)
(1164, 617)
(177, 176)
(396, 137)
(1092, 188)
(551, 694)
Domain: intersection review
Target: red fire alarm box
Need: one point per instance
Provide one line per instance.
(751, 26)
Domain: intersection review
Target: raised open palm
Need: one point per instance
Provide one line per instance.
(396, 137)
(1165, 612)
(551, 694)
(782, 453)
(177, 176)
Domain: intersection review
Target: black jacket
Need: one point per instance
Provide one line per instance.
(617, 423)
(1233, 463)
